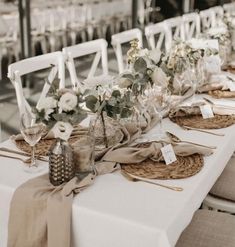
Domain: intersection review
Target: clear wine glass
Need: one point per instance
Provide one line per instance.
(32, 132)
(197, 77)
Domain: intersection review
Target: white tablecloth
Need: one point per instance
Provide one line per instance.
(118, 213)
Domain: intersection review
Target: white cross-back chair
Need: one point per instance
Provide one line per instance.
(54, 60)
(229, 7)
(158, 36)
(121, 38)
(97, 47)
(176, 29)
(218, 15)
(207, 19)
(192, 26)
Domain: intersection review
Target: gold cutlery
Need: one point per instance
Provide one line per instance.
(202, 130)
(26, 161)
(22, 153)
(138, 179)
(178, 140)
(219, 105)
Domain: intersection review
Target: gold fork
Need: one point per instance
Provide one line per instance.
(138, 179)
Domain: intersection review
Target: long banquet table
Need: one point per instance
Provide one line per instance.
(119, 213)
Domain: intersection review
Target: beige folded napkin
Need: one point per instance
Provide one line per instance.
(217, 82)
(40, 214)
(137, 154)
(182, 111)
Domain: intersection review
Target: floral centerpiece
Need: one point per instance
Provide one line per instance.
(229, 21)
(223, 36)
(179, 65)
(60, 110)
(107, 100)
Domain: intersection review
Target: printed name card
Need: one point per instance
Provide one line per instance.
(206, 111)
(231, 85)
(168, 154)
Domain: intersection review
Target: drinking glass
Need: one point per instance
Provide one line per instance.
(197, 77)
(84, 155)
(32, 132)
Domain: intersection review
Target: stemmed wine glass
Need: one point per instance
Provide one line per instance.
(32, 132)
(161, 105)
(197, 77)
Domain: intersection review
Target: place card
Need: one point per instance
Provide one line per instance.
(168, 154)
(231, 86)
(206, 111)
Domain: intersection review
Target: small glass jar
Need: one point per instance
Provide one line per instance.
(83, 150)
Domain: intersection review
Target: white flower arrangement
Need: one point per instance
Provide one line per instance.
(60, 110)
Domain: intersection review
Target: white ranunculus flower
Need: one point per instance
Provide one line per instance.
(47, 103)
(159, 77)
(67, 102)
(62, 130)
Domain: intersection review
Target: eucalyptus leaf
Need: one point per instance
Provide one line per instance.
(91, 102)
(140, 65)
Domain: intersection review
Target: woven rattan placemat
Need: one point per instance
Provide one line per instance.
(218, 94)
(43, 147)
(196, 121)
(184, 167)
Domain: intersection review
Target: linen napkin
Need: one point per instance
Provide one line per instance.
(182, 111)
(137, 154)
(40, 214)
(220, 82)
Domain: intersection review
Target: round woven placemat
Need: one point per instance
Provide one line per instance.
(184, 167)
(218, 94)
(197, 121)
(42, 147)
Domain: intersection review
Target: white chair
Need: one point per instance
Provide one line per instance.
(207, 19)
(218, 15)
(9, 44)
(222, 196)
(97, 47)
(192, 26)
(158, 36)
(176, 29)
(121, 38)
(55, 61)
(229, 7)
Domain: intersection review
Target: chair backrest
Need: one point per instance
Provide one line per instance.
(207, 19)
(192, 26)
(229, 7)
(218, 15)
(158, 36)
(97, 47)
(176, 29)
(121, 38)
(54, 60)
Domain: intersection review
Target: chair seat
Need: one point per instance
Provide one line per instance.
(225, 185)
(209, 229)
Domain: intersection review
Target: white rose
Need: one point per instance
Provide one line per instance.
(62, 130)
(67, 102)
(159, 77)
(47, 103)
